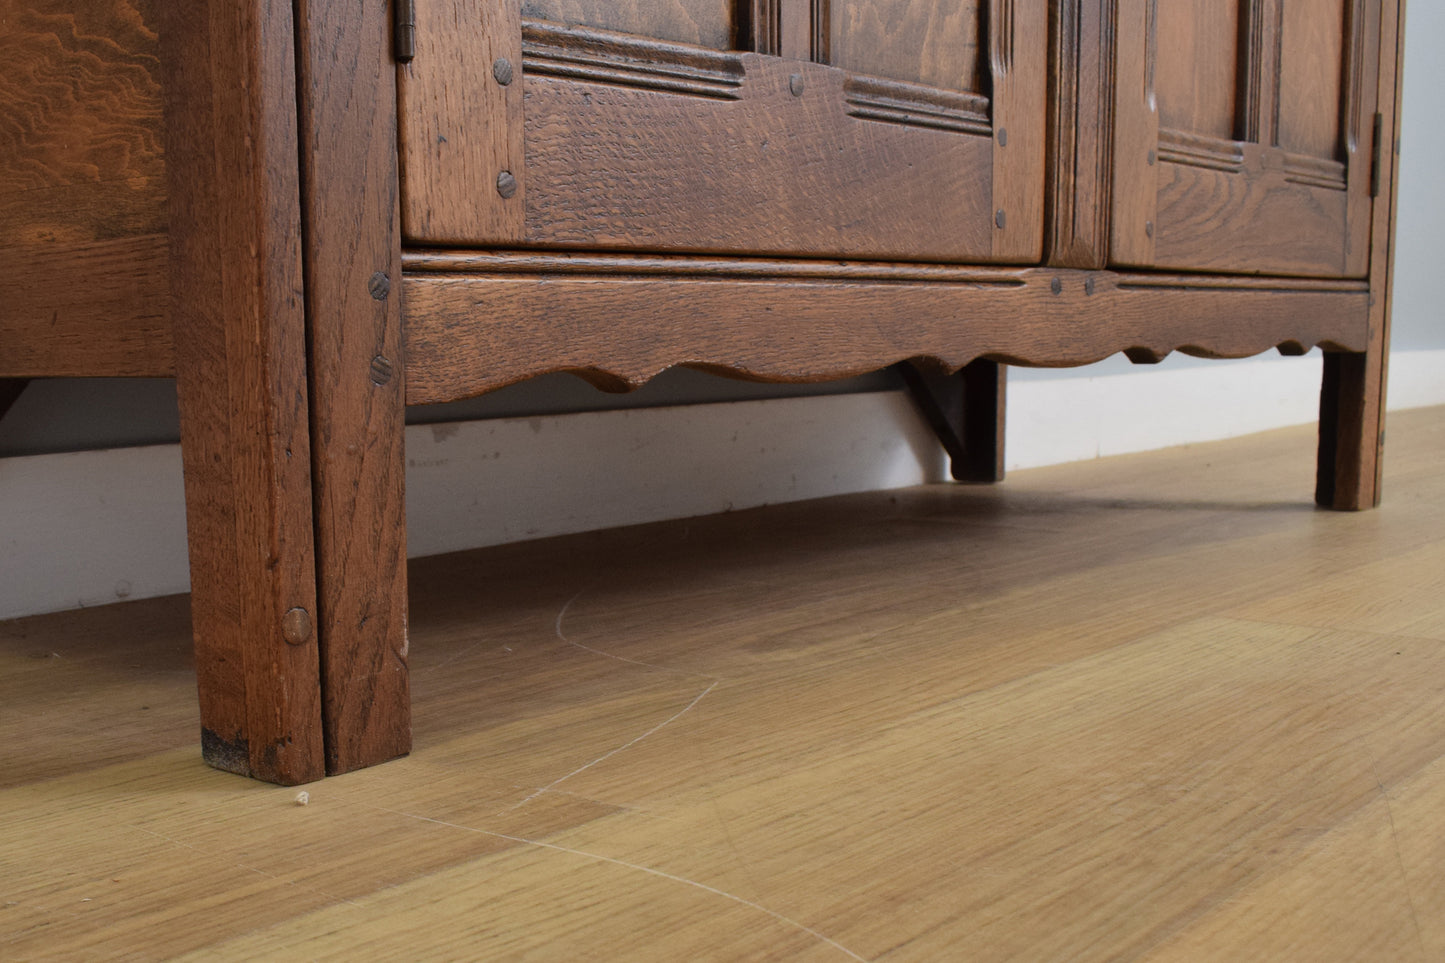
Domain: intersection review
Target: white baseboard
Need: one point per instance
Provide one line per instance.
(485, 482)
(93, 527)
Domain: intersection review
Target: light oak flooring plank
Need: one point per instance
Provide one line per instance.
(1152, 707)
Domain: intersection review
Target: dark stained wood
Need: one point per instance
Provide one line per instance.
(708, 23)
(850, 137)
(357, 374)
(1204, 175)
(1312, 68)
(1257, 74)
(966, 411)
(82, 190)
(81, 154)
(649, 144)
(458, 139)
(1352, 394)
(1195, 64)
(769, 172)
(240, 341)
(785, 28)
(479, 322)
(89, 310)
(1081, 108)
(1018, 56)
(1271, 224)
(941, 45)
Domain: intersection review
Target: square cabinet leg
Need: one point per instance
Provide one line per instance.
(1352, 431)
(239, 328)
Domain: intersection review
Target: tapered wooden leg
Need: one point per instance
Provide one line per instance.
(236, 288)
(353, 306)
(966, 411)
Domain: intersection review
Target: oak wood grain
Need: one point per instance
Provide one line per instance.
(920, 41)
(357, 365)
(82, 190)
(645, 144)
(770, 172)
(479, 322)
(1255, 219)
(1200, 181)
(1312, 72)
(1195, 67)
(458, 139)
(236, 280)
(708, 23)
(1134, 173)
(89, 310)
(81, 140)
(1018, 64)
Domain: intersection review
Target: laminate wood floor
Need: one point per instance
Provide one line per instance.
(1152, 707)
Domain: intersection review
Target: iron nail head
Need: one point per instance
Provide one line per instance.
(379, 285)
(296, 626)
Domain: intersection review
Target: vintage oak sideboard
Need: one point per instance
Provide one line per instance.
(314, 212)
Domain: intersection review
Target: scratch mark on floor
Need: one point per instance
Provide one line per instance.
(743, 864)
(651, 871)
(608, 755)
(608, 655)
(1399, 856)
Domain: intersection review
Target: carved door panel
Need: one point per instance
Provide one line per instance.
(1244, 132)
(895, 129)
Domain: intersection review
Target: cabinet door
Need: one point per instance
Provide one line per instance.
(1243, 135)
(896, 129)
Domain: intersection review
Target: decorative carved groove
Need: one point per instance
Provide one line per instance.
(1315, 172)
(1259, 285)
(1355, 74)
(1212, 153)
(1196, 150)
(1151, 53)
(822, 31)
(622, 60)
(765, 26)
(914, 105)
(1002, 37)
(1080, 150)
(679, 266)
(1259, 73)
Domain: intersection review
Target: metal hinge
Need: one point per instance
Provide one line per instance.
(1376, 155)
(403, 38)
